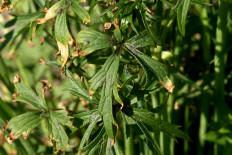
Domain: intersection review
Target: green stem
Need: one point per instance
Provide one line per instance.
(206, 44)
(128, 139)
(220, 59)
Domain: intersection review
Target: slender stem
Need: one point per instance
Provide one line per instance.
(220, 59)
(206, 44)
(128, 139)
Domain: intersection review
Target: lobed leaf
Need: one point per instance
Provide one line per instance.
(159, 125)
(24, 123)
(99, 77)
(76, 87)
(95, 141)
(57, 131)
(27, 95)
(149, 64)
(88, 132)
(96, 40)
(149, 140)
(63, 118)
(141, 40)
(105, 104)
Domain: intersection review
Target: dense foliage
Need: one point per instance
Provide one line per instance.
(115, 77)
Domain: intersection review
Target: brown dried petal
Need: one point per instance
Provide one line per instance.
(107, 26)
(63, 48)
(46, 85)
(17, 78)
(168, 85)
(11, 138)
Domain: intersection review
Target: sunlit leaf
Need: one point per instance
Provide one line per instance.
(52, 11)
(57, 132)
(88, 132)
(76, 87)
(24, 123)
(80, 12)
(95, 40)
(105, 105)
(27, 95)
(159, 69)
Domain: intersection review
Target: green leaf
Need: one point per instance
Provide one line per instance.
(117, 148)
(27, 95)
(63, 118)
(143, 39)
(158, 125)
(53, 11)
(108, 148)
(88, 132)
(149, 140)
(105, 104)
(24, 123)
(57, 132)
(80, 12)
(83, 118)
(154, 66)
(76, 87)
(96, 40)
(21, 24)
(6, 111)
(61, 29)
(4, 75)
(182, 12)
(98, 79)
(116, 95)
(95, 141)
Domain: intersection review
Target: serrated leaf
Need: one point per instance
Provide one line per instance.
(157, 68)
(105, 104)
(21, 23)
(96, 40)
(24, 123)
(63, 118)
(143, 39)
(99, 77)
(61, 29)
(62, 36)
(76, 87)
(88, 132)
(57, 132)
(27, 95)
(182, 12)
(149, 140)
(95, 141)
(83, 118)
(106, 110)
(159, 125)
(80, 12)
